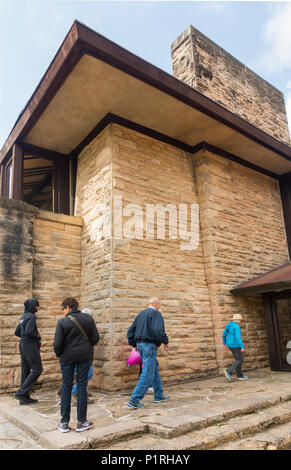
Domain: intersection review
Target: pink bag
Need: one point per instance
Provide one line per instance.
(134, 358)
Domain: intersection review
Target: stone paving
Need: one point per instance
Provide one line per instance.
(34, 426)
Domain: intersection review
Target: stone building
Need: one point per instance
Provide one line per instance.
(106, 137)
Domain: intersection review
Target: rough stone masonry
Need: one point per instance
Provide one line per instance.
(241, 234)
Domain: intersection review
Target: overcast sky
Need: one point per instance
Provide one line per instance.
(31, 31)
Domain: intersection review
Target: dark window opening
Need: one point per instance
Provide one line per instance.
(38, 182)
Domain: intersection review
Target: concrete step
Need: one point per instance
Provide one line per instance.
(167, 427)
(12, 437)
(218, 433)
(277, 438)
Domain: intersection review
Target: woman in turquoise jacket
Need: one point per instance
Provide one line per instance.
(232, 340)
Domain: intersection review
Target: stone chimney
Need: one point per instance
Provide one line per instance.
(202, 64)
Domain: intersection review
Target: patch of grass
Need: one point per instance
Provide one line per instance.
(263, 389)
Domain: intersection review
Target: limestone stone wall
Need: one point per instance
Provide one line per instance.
(120, 274)
(16, 281)
(149, 172)
(40, 258)
(243, 235)
(56, 275)
(202, 64)
(93, 200)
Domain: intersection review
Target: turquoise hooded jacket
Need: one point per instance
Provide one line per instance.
(232, 337)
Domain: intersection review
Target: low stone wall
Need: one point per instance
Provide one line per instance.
(40, 258)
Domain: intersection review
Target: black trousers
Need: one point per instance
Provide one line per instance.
(238, 356)
(68, 369)
(31, 367)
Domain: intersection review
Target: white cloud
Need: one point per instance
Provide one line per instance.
(277, 37)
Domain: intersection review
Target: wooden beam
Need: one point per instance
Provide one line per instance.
(17, 172)
(270, 317)
(42, 152)
(42, 184)
(61, 185)
(285, 189)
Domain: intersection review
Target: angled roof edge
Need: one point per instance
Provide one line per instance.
(256, 285)
(82, 40)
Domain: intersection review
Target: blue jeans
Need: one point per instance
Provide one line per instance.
(68, 377)
(90, 375)
(150, 376)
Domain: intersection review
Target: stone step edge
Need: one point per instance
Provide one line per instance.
(110, 436)
(33, 433)
(231, 434)
(162, 431)
(262, 442)
(153, 429)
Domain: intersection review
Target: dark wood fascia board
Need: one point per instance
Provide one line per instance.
(42, 152)
(68, 55)
(81, 40)
(231, 157)
(92, 135)
(103, 49)
(112, 118)
(273, 287)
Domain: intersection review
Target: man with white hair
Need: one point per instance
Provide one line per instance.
(232, 340)
(146, 333)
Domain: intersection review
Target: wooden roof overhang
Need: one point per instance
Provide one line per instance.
(276, 280)
(92, 81)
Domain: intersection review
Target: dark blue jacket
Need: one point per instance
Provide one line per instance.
(147, 327)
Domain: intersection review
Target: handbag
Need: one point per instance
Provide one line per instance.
(83, 333)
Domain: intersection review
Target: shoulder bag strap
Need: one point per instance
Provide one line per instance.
(80, 328)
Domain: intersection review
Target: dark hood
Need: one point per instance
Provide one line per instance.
(30, 305)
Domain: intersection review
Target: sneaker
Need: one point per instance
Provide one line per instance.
(63, 427)
(227, 376)
(163, 398)
(84, 426)
(18, 397)
(244, 377)
(135, 404)
(27, 401)
(150, 390)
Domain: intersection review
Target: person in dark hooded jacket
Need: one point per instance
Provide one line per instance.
(29, 347)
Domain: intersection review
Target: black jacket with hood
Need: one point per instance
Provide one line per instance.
(27, 329)
(70, 345)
